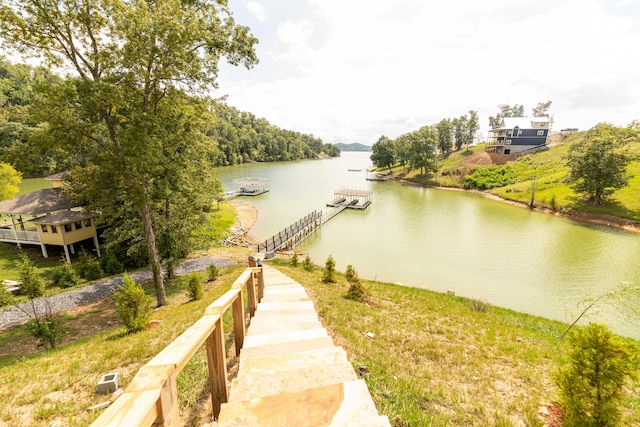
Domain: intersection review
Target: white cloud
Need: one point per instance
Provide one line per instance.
(257, 10)
(351, 71)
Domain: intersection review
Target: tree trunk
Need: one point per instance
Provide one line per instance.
(158, 280)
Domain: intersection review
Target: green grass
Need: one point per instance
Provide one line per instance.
(32, 184)
(437, 360)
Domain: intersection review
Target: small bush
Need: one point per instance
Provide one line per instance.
(307, 264)
(48, 330)
(479, 305)
(32, 284)
(329, 275)
(65, 276)
(591, 383)
(5, 296)
(133, 305)
(111, 265)
(89, 267)
(294, 260)
(195, 286)
(357, 292)
(351, 274)
(553, 203)
(212, 272)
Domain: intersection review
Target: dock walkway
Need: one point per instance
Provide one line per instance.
(291, 373)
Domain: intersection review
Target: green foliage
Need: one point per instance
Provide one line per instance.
(48, 330)
(329, 275)
(65, 276)
(479, 305)
(110, 264)
(294, 259)
(357, 292)
(195, 286)
(32, 283)
(351, 274)
(591, 382)
(383, 153)
(89, 266)
(212, 272)
(9, 181)
(307, 264)
(133, 305)
(5, 296)
(485, 178)
(598, 163)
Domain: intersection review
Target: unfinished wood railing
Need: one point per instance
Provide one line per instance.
(152, 397)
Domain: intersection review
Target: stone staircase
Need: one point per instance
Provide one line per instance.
(291, 374)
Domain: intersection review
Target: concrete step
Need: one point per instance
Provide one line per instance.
(282, 362)
(290, 380)
(346, 404)
(276, 313)
(295, 305)
(282, 337)
(296, 322)
(291, 347)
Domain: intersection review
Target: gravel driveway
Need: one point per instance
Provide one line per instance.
(66, 300)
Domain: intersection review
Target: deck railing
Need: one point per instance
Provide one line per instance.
(152, 397)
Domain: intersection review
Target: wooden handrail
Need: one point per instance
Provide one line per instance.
(152, 396)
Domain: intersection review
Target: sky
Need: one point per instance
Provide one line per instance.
(350, 71)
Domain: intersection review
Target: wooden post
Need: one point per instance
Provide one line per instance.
(260, 283)
(251, 296)
(168, 413)
(217, 362)
(238, 322)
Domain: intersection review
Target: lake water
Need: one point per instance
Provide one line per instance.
(445, 240)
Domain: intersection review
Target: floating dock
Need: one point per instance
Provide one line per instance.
(351, 198)
(248, 187)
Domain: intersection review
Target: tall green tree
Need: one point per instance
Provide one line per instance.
(471, 128)
(383, 153)
(598, 163)
(131, 107)
(9, 181)
(459, 131)
(445, 136)
(423, 149)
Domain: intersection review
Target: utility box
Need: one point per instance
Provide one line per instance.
(109, 383)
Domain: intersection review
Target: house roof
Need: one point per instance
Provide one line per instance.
(522, 122)
(62, 217)
(37, 203)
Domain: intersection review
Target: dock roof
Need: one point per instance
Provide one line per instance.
(37, 203)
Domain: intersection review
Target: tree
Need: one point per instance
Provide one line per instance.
(506, 110)
(423, 149)
(329, 275)
(541, 110)
(383, 153)
(459, 130)
(131, 109)
(471, 127)
(591, 382)
(402, 147)
(598, 163)
(9, 181)
(132, 305)
(445, 130)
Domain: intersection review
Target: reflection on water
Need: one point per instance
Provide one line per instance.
(440, 240)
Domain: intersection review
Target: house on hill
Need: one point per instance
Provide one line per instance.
(47, 217)
(519, 134)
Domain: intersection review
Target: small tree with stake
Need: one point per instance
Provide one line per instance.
(329, 271)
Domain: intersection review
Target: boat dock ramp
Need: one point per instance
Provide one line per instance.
(343, 198)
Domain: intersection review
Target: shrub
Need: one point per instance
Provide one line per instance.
(32, 284)
(307, 264)
(48, 330)
(357, 292)
(195, 286)
(329, 275)
(133, 305)
(212, 271)
(479, 305)
(5, 296)
(351, 274)
(89, 267)
(294, 260)
(553, 203)
(591, 383)
(111, 265)
(65, 276)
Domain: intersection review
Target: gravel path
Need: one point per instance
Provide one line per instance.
(100, 289)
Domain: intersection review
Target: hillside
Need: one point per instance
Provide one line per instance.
(353, 147)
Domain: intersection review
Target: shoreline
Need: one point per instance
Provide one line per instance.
(624, 224)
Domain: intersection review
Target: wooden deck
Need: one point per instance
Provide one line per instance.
(291, 373)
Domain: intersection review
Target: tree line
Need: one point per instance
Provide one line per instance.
(417, 150)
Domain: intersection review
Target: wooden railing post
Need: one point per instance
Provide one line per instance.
(238, 322)
(251, 296)
(259, 281)
(217, 362)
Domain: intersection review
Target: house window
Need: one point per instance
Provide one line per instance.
(540, 133)
(87, 222)
(67, 228)
(78, 225)
(520, 132)
(508, 142)
(44, 228)
(507, 151)
(54, 229)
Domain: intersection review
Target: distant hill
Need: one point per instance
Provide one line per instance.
(353, 147)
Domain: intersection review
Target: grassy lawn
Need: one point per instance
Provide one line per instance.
(32, 184)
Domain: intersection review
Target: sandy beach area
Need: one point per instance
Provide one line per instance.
(247, 215)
